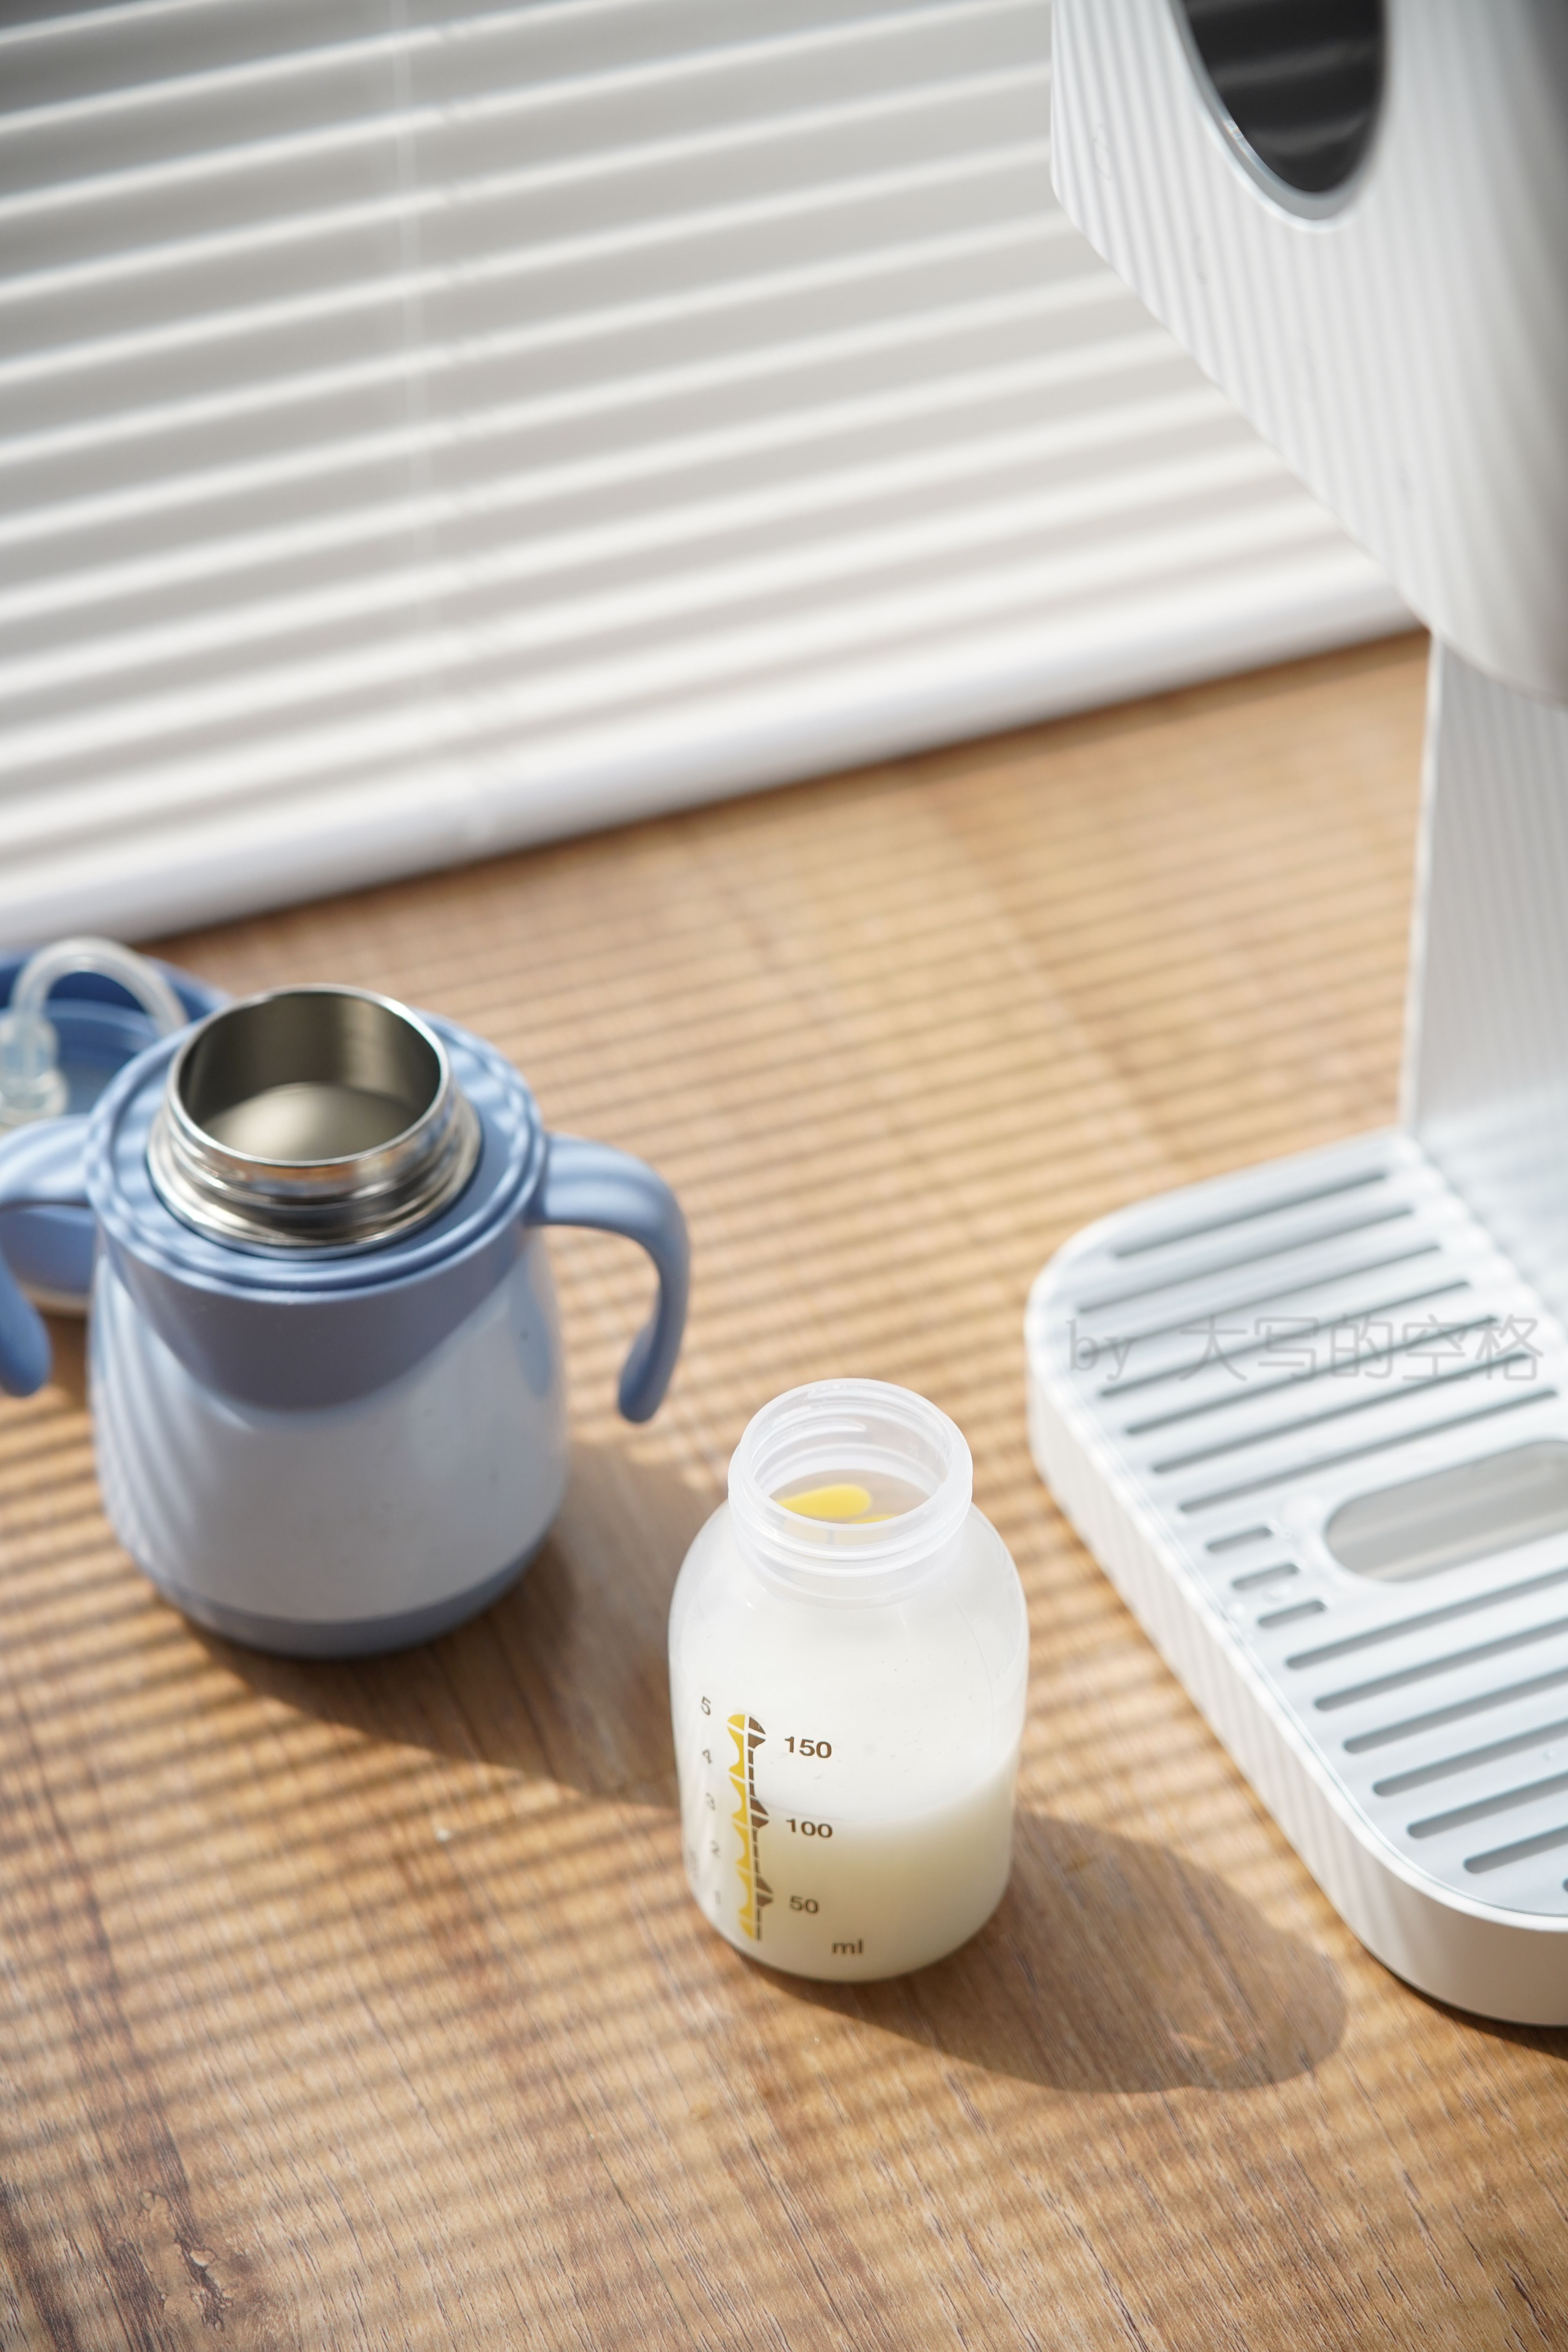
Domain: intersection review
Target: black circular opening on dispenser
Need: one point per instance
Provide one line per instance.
(1297, 84)
(309, 1076)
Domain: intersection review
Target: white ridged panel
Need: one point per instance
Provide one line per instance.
(1407, 351)
(426, 430)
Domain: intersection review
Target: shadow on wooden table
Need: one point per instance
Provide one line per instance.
(564, 1678)
(1551, 2041)
(68, 1344)
(1112, 1966)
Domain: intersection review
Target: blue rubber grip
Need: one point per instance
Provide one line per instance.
(594, 1185)
(41, 1168)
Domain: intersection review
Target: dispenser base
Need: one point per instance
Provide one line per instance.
(1215, 1375)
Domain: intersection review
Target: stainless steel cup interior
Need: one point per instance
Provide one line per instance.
(312, 1118)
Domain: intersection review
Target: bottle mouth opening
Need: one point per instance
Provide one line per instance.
(832, 1434)
(312, 1118)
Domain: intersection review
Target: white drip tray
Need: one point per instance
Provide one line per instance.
(1215, 1375)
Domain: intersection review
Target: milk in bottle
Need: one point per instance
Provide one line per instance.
(849, 1655)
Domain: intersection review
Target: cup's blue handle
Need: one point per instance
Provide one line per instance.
(41, 1168)
(593, 1184)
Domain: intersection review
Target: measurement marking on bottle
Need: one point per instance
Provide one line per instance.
(810, 1829)
(819, 1748)
(851, 1949)
(804, 1903)
(748, 1817)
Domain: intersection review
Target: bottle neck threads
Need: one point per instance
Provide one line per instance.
(834, 1431)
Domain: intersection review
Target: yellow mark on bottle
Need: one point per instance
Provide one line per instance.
(748, 1816)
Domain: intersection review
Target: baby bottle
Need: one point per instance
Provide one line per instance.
(849, 1655)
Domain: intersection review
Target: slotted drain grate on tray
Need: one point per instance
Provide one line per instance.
(1275, 1406)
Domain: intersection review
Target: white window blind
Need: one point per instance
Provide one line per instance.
(424, 429)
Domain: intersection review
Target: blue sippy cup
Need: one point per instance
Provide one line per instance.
(325, 1359)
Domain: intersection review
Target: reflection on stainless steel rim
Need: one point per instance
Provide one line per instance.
(312, 1118)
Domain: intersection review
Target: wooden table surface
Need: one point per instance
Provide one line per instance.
(364, 2004)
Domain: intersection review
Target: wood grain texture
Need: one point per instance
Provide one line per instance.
(364, 2005)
